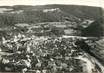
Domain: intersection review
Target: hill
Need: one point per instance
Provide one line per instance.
(10, 15)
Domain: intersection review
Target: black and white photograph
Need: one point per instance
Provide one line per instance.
(51, 36)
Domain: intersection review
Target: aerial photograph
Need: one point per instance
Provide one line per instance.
(51, 36)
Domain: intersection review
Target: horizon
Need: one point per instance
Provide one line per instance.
(51, 4)
(93, 3)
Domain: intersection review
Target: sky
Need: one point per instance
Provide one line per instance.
(98, 3)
